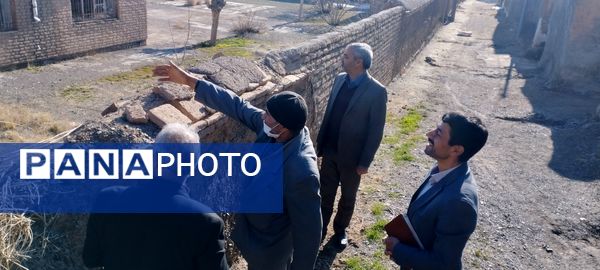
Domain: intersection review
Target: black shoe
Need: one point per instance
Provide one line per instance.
(339, 241)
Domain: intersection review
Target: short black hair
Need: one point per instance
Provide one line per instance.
(469, 132)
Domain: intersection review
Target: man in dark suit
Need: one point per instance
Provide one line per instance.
(191, 239)
(349, 136)
(274, 241)
(443, 211)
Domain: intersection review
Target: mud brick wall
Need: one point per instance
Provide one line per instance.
(572, 51)
(571, 54)
(396, 36)
(57, 36)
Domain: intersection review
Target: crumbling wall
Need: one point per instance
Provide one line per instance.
(174, 103)
(582, 55)
(572, 51)
(568, 31)
(57, 36)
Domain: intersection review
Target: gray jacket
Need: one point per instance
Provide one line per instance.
(361, 130)
(297, 231)
(443, 217)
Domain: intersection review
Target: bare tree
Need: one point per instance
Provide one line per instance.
(248, 23)
(189, 33)
(215, 6)
(338, 9)
(325, 6)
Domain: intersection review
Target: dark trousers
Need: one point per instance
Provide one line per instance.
(332, 176)
(266, 264)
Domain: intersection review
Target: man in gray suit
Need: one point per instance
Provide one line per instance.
(349, 136)
(288, 240)
(443, 211)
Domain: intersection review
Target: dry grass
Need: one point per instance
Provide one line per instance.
(77, 93)
(15, 240)
(140, 73)
(249, 23)
(21, 124)
(237, 46)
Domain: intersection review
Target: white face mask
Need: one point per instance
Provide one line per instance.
(268, 130)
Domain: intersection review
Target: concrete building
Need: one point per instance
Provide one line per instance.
(37, 30)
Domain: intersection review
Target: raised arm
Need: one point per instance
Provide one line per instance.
(214, 96)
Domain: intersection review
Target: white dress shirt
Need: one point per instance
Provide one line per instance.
(435, 178)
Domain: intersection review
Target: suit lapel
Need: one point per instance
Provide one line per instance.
(360, 90)
(414, 196)
(459, 172)
(425, 198)
(334, 92)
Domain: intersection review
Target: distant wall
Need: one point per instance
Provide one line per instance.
(572, 33)
(572, 52)
(582, 54)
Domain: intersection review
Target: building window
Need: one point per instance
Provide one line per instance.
(6, 18)
(93, 9)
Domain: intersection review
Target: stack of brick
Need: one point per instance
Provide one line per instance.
(167, 113)
(175, 103)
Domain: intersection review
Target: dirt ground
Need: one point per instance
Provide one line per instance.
(538, 176)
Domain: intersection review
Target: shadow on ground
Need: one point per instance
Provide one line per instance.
(326, 256)
(565, 110)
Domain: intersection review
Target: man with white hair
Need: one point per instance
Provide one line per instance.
(192, 239)
(177, 133)
(349, 136)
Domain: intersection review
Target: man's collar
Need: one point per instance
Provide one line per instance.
(435, 175)
(356, 82)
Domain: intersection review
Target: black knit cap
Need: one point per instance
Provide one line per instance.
(288, 109)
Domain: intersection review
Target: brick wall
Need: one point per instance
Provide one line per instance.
(58, 36)
(396, 36)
